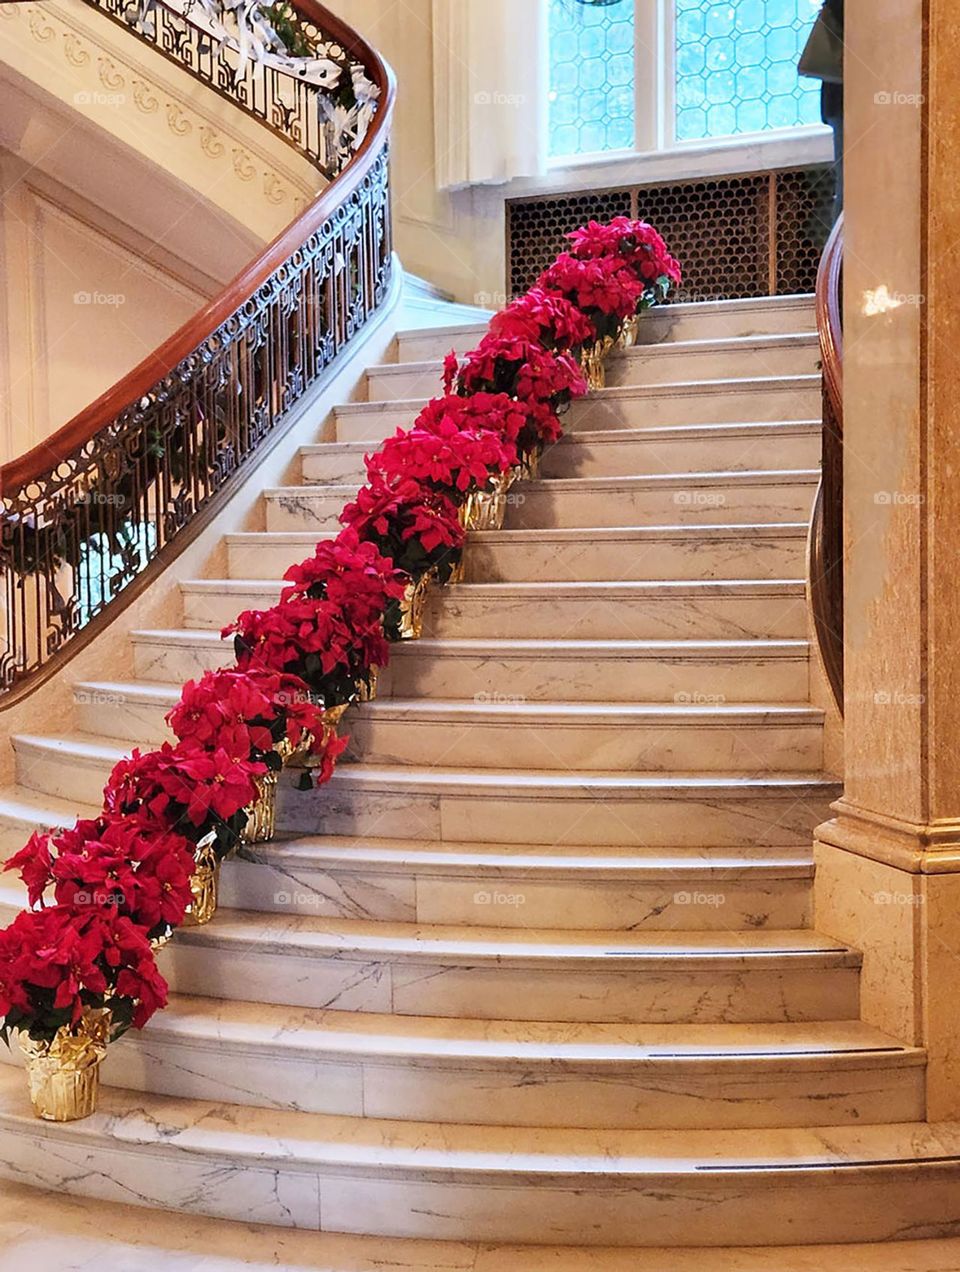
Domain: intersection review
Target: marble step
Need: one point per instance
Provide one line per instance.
(54, 1232)
(635, 737)
(612, 554)
(748, 356)
(623, 452)
(725, 401)
(651, 977)
(679, 737)
(739, 497)
(531, 974)
(703, 320)
(601, 671)
(521, 1074)
(533, 805)
(434, 1181)
(722, 609)
(546, 806)
(590, 671)
(608, 554)
(524, 886)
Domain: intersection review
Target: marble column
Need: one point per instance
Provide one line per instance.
(888, 877)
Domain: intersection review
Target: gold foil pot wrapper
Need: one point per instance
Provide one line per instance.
(205, 882)
(629, 332)
(487, 509)
(64, 1074)
(411, 608)
(592, 359)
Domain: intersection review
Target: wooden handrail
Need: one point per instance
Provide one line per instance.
(127, 391)
(825, 555)
(97, 510)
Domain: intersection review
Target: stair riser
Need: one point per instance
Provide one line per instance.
(699, 454)
(728, 405)
(632, 748)
(544, 745)
(651, 560)
(367, 807)
(362, 807)
(639, 1095)
(456, 615)
(816, 989)
(643, 368)
(622, 459)
(749, 556)
(662, 325)
(544, 506)
(177, 662)
(497, 897)
(714, 1208)
(416, 673)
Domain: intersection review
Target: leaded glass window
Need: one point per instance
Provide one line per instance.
(736, 67)
(592, 64)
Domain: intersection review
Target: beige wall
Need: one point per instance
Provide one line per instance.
(83, 304)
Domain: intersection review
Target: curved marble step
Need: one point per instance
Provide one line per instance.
(717, 610)
(520, 1074)
(742, 496)
(639, 737)
(514, 886)
(608, 554)
(57, 1232)
(603, 1188)
(501, 973)
(532, 806)
(590, 671)
(718, 401)
(788, 353)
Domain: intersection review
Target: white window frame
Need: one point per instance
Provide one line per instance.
(655, 92)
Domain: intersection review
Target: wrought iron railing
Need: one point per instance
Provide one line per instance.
(96, 511)
(825, 557)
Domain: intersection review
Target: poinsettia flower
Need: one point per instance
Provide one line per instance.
(35, 863)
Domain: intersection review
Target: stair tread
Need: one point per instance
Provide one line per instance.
(673, 388)
(718, 344)
(163, 694)
(675, 646)
(58, 1231)
(608, 781)
(615, 437)
(173, 1126)
(653, 481)
(596, 587)
(226, 1022)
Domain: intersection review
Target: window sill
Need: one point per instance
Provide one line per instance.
(755, 153)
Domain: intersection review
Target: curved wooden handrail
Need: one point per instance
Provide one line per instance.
(96, 511)
(139, 381)
(825, 555)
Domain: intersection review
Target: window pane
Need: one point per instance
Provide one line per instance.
(737, 67)
(591, 76)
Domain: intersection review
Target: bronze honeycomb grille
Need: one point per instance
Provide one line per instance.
(757, 234)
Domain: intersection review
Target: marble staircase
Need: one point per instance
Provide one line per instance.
(538, 966)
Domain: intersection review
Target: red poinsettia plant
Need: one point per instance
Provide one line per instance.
(543, 317)
(447, 458)
(61, 961)
(198, 792)
(112, 862)
(416, 527)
